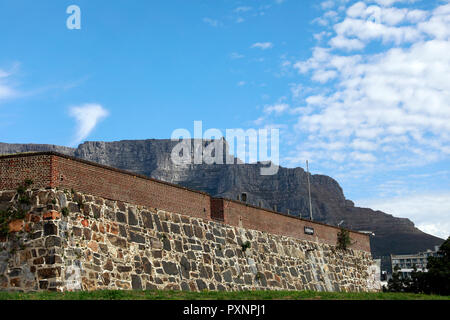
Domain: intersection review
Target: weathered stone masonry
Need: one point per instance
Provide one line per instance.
(130, 239)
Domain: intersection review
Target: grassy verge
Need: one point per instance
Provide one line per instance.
(213, 295)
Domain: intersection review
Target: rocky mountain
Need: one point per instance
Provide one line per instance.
(286, 191)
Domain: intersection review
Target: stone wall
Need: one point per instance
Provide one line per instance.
(99, 243)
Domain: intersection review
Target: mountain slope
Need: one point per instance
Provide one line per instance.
(286, 190)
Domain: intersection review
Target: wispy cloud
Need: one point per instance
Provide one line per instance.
(328, 4)
(242, 9)
(3, 74)
(87, 117)
(262, 45)
(211, 22)
(7, 90)
(236, 55)
(277, 108)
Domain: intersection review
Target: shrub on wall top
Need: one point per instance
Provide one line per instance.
(343, 239)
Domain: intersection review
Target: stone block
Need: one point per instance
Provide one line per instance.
(51, 215)
(16, 225)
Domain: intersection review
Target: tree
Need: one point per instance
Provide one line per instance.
(437, 279)
(415, 283)
(395, 284)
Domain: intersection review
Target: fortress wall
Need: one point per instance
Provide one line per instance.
(99, 243)
(56, 170)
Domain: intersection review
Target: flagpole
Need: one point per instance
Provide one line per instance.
(309, 192)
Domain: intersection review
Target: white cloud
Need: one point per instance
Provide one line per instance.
(366, 30)
(438, 25)
(391, 2)
(363, 157)
(327, 4)
(242, 9)
(364, 23)
(236, 55)
(430, 212)
(276, 108)
(87, 117)
(320, 56)
(296, 90)
(6, 92)
(211, 22)
(364, 145)
(321, 35)
(324, 75)
(6, 89)
(3, 74)
(386, 108)
(321, 21)
(262, 45)
(340, 42)
(259, 121)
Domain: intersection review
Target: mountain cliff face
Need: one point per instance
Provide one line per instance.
(287, 190)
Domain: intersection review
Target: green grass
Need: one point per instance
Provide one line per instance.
(213, 295)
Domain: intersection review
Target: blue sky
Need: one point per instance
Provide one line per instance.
(360, 88)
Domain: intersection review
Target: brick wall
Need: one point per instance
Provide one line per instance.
(115, 185)
(14, 170)
(54, 170)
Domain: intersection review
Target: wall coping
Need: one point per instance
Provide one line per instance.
(91, 163)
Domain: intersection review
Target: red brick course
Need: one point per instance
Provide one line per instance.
(55, 170)
(115, 185)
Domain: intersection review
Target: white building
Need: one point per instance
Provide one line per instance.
(406, 262)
